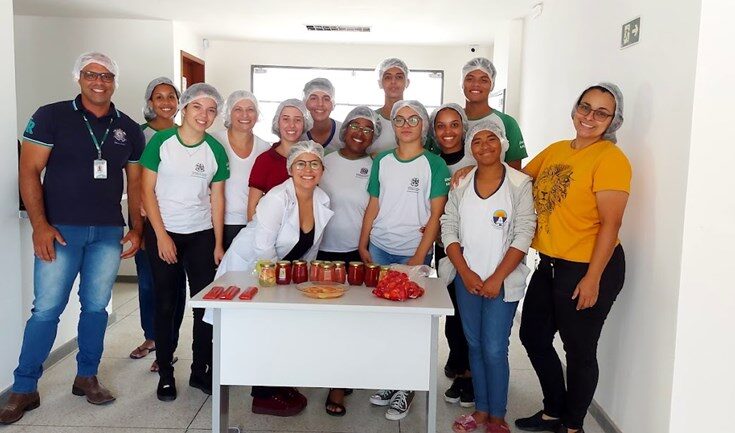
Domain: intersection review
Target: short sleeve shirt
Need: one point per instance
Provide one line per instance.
(516, 145)
(333, 142)
(387, 138)
(71, 193)
(564, 187)
(269, 170)
(404, 190)
(345, 181)
(184, 176)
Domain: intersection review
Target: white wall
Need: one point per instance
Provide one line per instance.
(703, 380)
(11, 309)
(507, 57)
(46, 48)
(572, 45)
(228, 62)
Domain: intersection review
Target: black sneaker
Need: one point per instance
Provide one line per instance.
(467, 395)
(537, 423)
(201, 382)
(563, 429)
(166, 390)
(452, 394)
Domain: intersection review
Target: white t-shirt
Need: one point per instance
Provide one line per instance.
(184, 176)
(236, 187)
(345, 181)
(333, 143)
(404, 190)
(484, 226)
(387, 139)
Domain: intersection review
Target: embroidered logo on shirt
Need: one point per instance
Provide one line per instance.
(29, 127)
(199, 171)
(363, 173)
(499, 218)
(120, 136)
(414, 185)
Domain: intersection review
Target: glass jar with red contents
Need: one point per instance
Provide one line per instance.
(372, 272)
(339, 272)
(316, 265)
(327, 272)
(356, 274)
(299, 272)
(283, 272)
(383, 272)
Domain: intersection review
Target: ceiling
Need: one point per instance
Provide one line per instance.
(431, 22)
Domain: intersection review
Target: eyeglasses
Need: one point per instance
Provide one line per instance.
(598, 115)
(301, 165)
(106, 77)
(365, 129)
(412, 121)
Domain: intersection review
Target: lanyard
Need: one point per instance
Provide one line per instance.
(97, 144)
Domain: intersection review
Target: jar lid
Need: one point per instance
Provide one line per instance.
(385, 268)
(299, 262)
(356, 264)
(326, 265)
(372, 266)
(338, 264)
(284, 262)
(316, 262)
(268, 265)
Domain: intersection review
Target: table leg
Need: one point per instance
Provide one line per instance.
(220, 393)
(433, 365)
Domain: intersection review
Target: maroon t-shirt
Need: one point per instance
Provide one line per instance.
(269, 170)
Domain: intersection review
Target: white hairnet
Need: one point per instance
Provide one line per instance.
(233, 99)
(199, 91)
(302, 147)
(361, 112)
(95, 57)
(418, 108)
(148, 112)
(617, 121)
(451, 106)
(480, 64)
(318, 85)
(388, 63)
(296, 103)
(489, 125)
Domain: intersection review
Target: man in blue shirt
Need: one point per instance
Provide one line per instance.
(84, 145)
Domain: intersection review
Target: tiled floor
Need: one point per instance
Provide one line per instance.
(138, 411)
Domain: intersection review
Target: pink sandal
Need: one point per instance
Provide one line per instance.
(465, 424)
(497, 428)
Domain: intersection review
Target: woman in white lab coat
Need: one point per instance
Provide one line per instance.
(288, 225)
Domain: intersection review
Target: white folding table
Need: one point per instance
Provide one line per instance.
(283, 338)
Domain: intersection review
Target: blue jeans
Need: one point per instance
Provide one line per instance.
(146, 295)
(487, 323)
(383, 257)
(93, 253)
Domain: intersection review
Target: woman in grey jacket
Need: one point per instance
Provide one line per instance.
(487, 227)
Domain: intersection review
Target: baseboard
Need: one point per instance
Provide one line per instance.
(60, 353)
(130, 279)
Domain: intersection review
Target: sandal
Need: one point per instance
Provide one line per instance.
(142, 351)
(341, 410)
(154, 366)
(465, 424)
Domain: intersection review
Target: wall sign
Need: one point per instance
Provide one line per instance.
(631, 33)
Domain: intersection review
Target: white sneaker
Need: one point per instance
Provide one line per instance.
(399, 405)
(382, 397)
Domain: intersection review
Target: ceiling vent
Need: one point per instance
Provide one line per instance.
(326, 28)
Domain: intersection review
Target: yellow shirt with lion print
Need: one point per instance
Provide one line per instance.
(564, 187)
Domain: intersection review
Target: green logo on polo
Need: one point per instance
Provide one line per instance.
(30, 126)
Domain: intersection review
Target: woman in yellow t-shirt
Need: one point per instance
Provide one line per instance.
(581, 188)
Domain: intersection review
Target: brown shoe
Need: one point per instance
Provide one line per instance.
(89, 386)
(17, 405)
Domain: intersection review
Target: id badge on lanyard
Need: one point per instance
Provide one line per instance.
(99, 168)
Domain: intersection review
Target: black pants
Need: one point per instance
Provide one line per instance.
(229, 235)
(459, 358)
(194, 253)
(350, 256)
(548, 308)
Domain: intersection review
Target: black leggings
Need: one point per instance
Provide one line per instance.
(195, 256)
(229, 235)
(459, 357)
(548, 308)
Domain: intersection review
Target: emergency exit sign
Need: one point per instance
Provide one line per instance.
(631, 33)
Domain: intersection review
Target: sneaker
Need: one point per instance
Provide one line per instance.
(276, 405)
(467, 394)
(399, 405)
(382, 397)
(452, 394)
